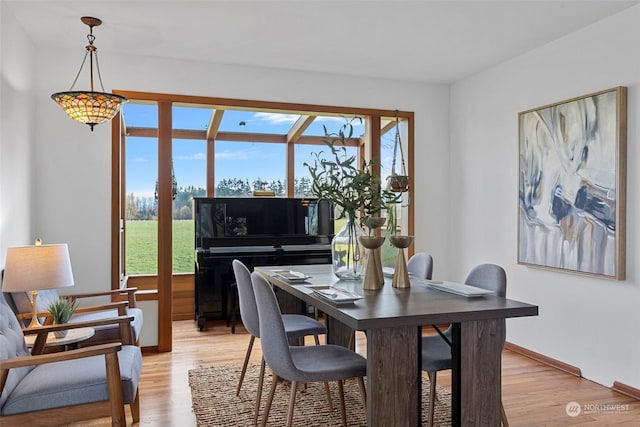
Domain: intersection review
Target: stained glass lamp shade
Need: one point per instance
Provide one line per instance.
(89, 107)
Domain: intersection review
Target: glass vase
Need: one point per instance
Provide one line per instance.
(349, 258)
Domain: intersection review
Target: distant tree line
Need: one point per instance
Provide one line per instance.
(146, 208)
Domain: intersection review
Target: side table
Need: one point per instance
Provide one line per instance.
(74, 336)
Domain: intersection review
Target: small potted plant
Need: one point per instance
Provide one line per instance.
(61, 311)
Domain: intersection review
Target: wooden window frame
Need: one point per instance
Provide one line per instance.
(369, 147)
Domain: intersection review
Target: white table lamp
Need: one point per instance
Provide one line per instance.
(32, 268)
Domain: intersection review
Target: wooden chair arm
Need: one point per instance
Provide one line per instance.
(124, 322)
(120, 306)
(94, 350)
(76, 325)
(129, 292)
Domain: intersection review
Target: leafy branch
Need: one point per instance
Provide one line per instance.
(337, 178)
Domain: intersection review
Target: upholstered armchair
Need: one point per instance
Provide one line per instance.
(64, 387)
(21, 303)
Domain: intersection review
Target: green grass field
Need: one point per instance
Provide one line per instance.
(142, 247)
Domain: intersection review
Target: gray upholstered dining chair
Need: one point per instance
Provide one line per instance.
(296, 326)
(436, 351)
(420, 265)
(297, 363)
(64, 387)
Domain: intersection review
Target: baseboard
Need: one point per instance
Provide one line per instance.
(149, 349)
(181, 316)
(627, 390)
(569, 369)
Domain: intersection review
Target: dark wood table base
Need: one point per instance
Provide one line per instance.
(393, 358)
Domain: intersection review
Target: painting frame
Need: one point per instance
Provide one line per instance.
(572, 176)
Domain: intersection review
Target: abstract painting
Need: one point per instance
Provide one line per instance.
(572, 185)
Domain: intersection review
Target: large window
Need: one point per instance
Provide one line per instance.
(141, 214)
(189, 169)
(242, 167)
(231, 151)
(141, 172)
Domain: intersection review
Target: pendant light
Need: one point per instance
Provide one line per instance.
(89, 107)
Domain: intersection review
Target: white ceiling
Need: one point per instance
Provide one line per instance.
(427, 41)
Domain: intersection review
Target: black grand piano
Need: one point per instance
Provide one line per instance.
(257, 231)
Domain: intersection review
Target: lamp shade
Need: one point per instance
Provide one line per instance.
(91, 108)
(29, 268)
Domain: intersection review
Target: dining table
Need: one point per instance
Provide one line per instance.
(393, 319)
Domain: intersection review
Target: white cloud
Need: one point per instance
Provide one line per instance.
(237, 155)
(194, 156)
(333, 119)
(276, 118)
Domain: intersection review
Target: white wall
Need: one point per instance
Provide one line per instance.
(73, 180)
(587, 322)
(464, 220)
(17, 133)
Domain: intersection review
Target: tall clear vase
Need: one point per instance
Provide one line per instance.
(349, 258)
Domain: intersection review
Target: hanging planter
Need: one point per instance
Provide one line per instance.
(174, 185)
(398, 182)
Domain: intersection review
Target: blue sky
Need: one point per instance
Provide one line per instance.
(233, 159)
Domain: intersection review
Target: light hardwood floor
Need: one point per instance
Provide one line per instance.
(533, 394)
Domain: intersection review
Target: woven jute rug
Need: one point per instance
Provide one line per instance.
(213, 393)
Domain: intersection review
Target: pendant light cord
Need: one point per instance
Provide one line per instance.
(91, 50)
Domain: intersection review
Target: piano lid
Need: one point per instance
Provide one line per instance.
(226, 221)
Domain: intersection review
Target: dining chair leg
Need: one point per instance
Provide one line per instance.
(327, 390)
(244, 365)
(292, 403)
(326, 384)
(343, 410)
(272, 392)
(432, 398)
(259, 394)
(503, 415)
(363, 392)
(352, 342)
